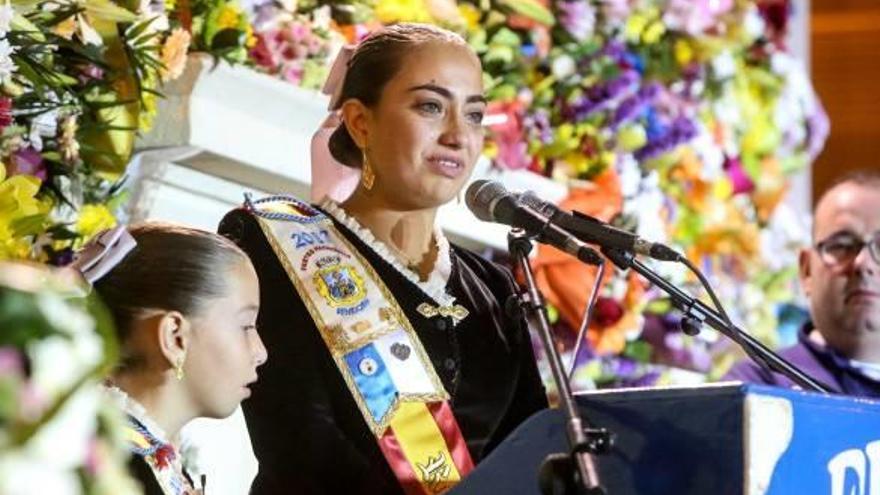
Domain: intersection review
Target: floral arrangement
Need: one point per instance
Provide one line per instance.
(78, 80)
(57, 433)
(677, 119)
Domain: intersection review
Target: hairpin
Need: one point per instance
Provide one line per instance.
(102, 253)
(336, 79)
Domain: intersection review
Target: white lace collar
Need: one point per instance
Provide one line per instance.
(134, 408)
(434, 287)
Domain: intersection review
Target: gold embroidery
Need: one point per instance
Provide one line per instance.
(436, 472)
(337, 337)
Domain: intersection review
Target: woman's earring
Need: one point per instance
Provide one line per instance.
(178, 368)
(368, 176)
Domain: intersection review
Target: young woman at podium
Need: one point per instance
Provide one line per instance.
(395, 368)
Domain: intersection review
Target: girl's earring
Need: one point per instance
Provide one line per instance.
(368, 176)
(178, 368)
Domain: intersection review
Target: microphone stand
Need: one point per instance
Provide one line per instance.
(697, 313)
(582, 442)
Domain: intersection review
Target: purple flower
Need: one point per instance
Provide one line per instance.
(578, 17)
(681, 130)
(29, 161)
(601, 96)
(538, 125)
(817, 127)
(631, 107)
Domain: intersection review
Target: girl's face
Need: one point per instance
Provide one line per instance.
(224, 348)
(425, 134)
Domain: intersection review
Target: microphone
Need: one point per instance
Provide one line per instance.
(491, 202)
(594, 231)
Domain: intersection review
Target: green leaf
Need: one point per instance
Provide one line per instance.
(500, 54)
(228, 39)
(638, 350)
(106, 10)
(29, 225)
(531, 9)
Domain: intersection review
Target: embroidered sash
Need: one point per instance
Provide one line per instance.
(162, 458)
(373, 345)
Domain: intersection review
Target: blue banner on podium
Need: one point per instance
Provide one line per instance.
(715, 439)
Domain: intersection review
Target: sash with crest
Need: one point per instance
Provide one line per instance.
(372, 343)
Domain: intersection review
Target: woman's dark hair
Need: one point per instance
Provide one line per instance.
(172, 268)
(376, 61)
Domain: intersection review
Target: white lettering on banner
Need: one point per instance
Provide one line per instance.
(861, 465)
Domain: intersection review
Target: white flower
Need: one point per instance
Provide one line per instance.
(711, 156)
(74, 427)
(322, 18)
(753, 23)
(563, 66)
(21, 474)
(43, 125)
(630, 175)
(724, 65)
(59, 361)
(7, 66)
(6, 14)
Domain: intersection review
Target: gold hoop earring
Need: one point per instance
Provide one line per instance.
(368, 176)
(178, 368)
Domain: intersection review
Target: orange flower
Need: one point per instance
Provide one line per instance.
(563, 280)
(174, 54)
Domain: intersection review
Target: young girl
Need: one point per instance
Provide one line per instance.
(185, 304)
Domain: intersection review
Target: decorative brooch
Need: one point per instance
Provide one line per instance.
(456, 311)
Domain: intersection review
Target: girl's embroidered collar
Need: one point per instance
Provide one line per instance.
(434, 287)
(134, 408)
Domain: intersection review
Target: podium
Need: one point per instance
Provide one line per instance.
(718, 439)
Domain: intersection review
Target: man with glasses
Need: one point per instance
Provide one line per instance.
(840, 275)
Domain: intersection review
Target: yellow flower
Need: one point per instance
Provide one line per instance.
(18, 197)
(684, 52)
(228, 18)
(471, 16)
(94, 218)
(390, 11)
(174, 54)
(634, 27)
(654, 32)
(250, 39)
(17, 200)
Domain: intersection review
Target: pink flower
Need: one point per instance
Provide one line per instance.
(10, 361)
(695, 16)
(740, 180)
(5, 112)
(616, 11)
(505, 124)
(261, 53)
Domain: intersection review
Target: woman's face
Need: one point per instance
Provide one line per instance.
(225, 350)
(425, 134)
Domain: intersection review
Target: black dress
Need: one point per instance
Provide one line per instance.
(307, 431)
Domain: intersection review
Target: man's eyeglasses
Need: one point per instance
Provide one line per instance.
(843, 249)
